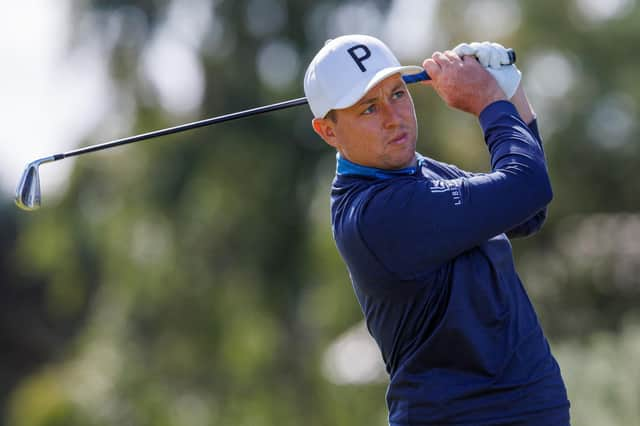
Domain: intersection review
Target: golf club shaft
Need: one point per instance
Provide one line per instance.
(181, 128)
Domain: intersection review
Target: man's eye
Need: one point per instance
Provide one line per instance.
(399, 94)
(370, 110)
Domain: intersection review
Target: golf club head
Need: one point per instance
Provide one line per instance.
(28, 191)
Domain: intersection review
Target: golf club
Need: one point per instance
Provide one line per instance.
(28, 195)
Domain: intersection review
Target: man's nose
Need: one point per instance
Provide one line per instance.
(391, 115)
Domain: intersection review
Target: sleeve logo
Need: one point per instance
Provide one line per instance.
(453, 187)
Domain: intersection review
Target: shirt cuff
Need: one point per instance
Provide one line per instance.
(494, 111)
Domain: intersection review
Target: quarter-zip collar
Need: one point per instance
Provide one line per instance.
(345, 167)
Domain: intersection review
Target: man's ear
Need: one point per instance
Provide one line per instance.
(325, 128)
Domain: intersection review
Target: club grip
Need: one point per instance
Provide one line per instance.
(423, 76)
(414, 78)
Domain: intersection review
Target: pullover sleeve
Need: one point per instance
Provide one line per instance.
(413, 225)
(534, 223)
(531, 225)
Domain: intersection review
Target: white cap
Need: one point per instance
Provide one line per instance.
(344, 70)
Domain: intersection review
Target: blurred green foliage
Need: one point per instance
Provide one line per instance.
(194, 280)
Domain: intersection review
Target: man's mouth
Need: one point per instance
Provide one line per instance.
(399, 139)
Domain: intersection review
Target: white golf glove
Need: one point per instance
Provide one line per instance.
(495, 59)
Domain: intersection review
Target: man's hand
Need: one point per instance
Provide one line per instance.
(495, 58)
(464, 83)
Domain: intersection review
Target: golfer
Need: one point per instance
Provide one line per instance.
(427, 244)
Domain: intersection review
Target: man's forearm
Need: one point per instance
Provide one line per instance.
(520, 101)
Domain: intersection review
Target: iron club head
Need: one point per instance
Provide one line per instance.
(28, 190)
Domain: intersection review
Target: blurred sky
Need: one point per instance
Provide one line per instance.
(56, 92)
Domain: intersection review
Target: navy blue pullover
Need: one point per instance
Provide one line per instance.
(430, 261)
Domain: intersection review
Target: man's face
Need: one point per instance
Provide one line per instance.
(380, 130)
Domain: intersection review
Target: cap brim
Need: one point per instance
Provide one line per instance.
(357, 92)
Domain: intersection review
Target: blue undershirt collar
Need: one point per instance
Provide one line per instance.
(345, 167)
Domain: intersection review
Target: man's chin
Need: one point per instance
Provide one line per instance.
(402, 163)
